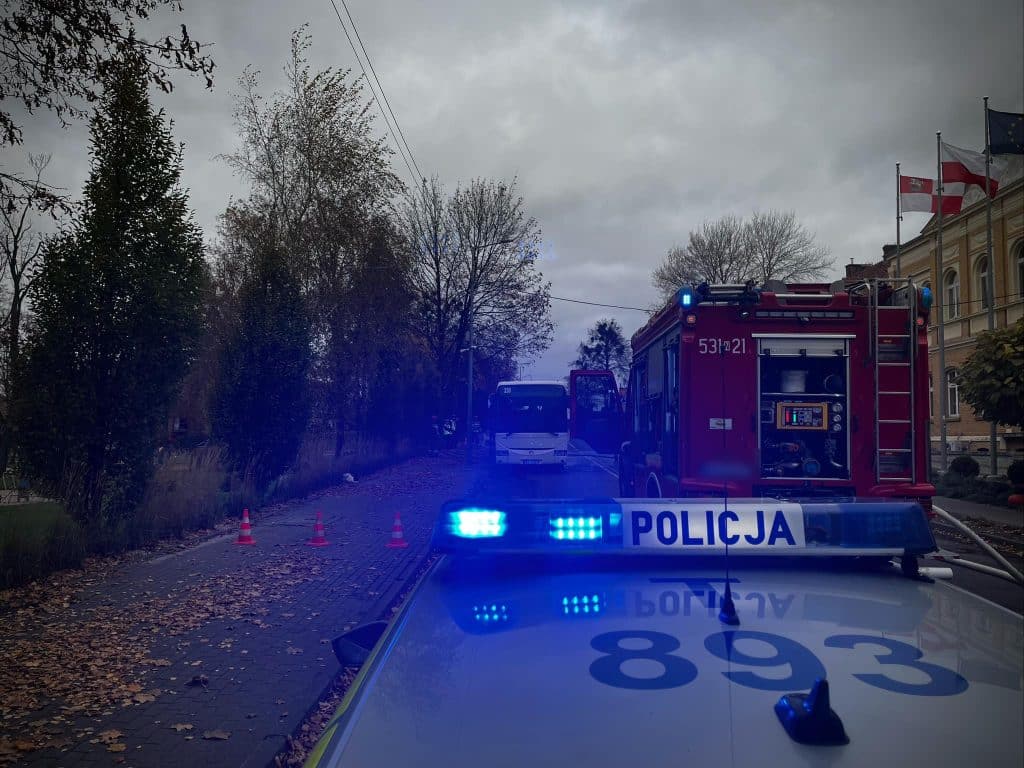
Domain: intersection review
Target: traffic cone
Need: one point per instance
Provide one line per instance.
(245, 531)
(397, 534)
(319, 539)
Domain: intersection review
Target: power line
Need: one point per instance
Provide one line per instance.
(369, 61)
(598, 304)
(383, 114)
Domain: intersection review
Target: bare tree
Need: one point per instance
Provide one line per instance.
(476, 263)
(769, 246)
(717, 253)
(780, 248)
(20, 247)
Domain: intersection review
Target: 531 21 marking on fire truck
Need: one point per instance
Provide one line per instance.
(712, 346)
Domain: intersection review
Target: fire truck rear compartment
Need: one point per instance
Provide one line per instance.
(804, 420)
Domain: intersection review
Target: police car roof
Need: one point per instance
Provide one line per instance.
(612, 667)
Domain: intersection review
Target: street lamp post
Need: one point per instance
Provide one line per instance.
(469, 386)
(469, 355)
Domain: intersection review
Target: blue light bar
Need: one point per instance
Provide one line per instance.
(575, 528)
(684, 527)
(685, 296)
(477, 523)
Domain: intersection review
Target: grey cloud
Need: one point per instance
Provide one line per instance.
(629, 123)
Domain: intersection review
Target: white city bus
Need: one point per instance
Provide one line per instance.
(529, 423)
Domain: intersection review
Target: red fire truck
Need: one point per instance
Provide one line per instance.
(788, 391)
(595, 410)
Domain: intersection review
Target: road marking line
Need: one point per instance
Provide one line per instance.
(602, 466)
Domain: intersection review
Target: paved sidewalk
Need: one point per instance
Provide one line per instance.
(212, 655)
(961, 508)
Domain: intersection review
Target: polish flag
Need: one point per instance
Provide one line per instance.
(917, 194)
(966, 167)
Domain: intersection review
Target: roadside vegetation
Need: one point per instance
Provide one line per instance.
(155, 378)
(963, 481)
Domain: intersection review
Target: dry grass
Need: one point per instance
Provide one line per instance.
(189, 490)
(194, 489)
(317, 467)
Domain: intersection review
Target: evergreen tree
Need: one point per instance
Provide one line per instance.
(116, 316)
(260, 405)
(606, 349)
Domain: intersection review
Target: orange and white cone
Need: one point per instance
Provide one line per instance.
(397, 534)
(245, 531)
(319, 534)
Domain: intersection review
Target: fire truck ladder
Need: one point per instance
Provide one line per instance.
(892, 305)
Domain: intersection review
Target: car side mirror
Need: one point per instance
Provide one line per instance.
(353, 647)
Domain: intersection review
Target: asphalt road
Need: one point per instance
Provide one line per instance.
(595, 476)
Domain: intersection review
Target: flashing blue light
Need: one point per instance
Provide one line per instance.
(926, 297)
(576, 528)
(685, 296)
(584, 605)
(490, 614)
(477, 523)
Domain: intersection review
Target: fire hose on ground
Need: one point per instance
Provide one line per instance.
(1010, 573)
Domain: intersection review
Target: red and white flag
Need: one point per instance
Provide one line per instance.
(967, 167)
(917, 194)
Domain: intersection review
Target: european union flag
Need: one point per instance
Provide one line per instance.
(1005, 133)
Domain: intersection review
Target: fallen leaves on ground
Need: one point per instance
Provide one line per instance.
(217, 735)
(80, 643)
(179, 727)
(102, 646)
(304, 738)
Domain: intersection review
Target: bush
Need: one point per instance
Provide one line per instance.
(36, 539)
(1015, 472)
(189, 490)
(965, 466)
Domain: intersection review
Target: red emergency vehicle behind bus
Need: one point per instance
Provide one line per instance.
(595, 410)
(791, 390)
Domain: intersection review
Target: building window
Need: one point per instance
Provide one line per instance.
(952, 393)
(951, 285)
(981, 278)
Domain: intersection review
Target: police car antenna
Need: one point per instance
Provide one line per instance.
(727, 615)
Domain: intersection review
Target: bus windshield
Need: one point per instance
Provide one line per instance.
(530, 408)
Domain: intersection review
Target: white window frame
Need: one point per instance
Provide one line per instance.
(952, 393)
(951, 294)
(981, 277)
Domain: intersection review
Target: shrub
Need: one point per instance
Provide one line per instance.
(36, 539)
(965, 466)
(1015, 472)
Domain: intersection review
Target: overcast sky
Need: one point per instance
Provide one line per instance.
(628, 123)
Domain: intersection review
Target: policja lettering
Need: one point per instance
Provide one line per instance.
(701, 530)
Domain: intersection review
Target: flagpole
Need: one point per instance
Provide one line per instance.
(899, 218)
(940, 330)
(990, 279)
